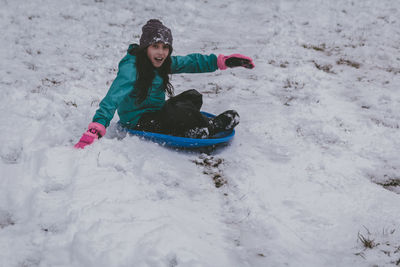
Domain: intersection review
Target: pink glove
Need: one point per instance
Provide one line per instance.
(94, 132)
(234, 60)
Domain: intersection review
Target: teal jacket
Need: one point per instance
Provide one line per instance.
(119, 97)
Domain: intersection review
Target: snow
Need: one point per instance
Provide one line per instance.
(311, 172)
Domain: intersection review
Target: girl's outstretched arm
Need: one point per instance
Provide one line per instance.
(198, 63)
(194, 63)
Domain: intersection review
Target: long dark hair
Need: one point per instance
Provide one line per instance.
(145, 74)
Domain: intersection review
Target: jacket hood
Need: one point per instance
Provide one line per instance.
(133, 48)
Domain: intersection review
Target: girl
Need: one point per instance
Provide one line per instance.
(138, 91)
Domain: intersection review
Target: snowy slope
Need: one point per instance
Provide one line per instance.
(312, 170)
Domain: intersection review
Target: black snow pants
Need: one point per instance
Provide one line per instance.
(180, 116)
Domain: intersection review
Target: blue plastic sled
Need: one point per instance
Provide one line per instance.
(183, 142)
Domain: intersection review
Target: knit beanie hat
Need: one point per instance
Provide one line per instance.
(154, 31)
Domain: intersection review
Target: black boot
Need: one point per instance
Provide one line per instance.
(225, 121)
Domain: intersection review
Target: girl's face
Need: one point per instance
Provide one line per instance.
(157, 53)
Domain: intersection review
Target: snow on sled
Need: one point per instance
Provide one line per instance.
(184, 142)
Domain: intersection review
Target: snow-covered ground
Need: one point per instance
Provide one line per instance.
(312, 170)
